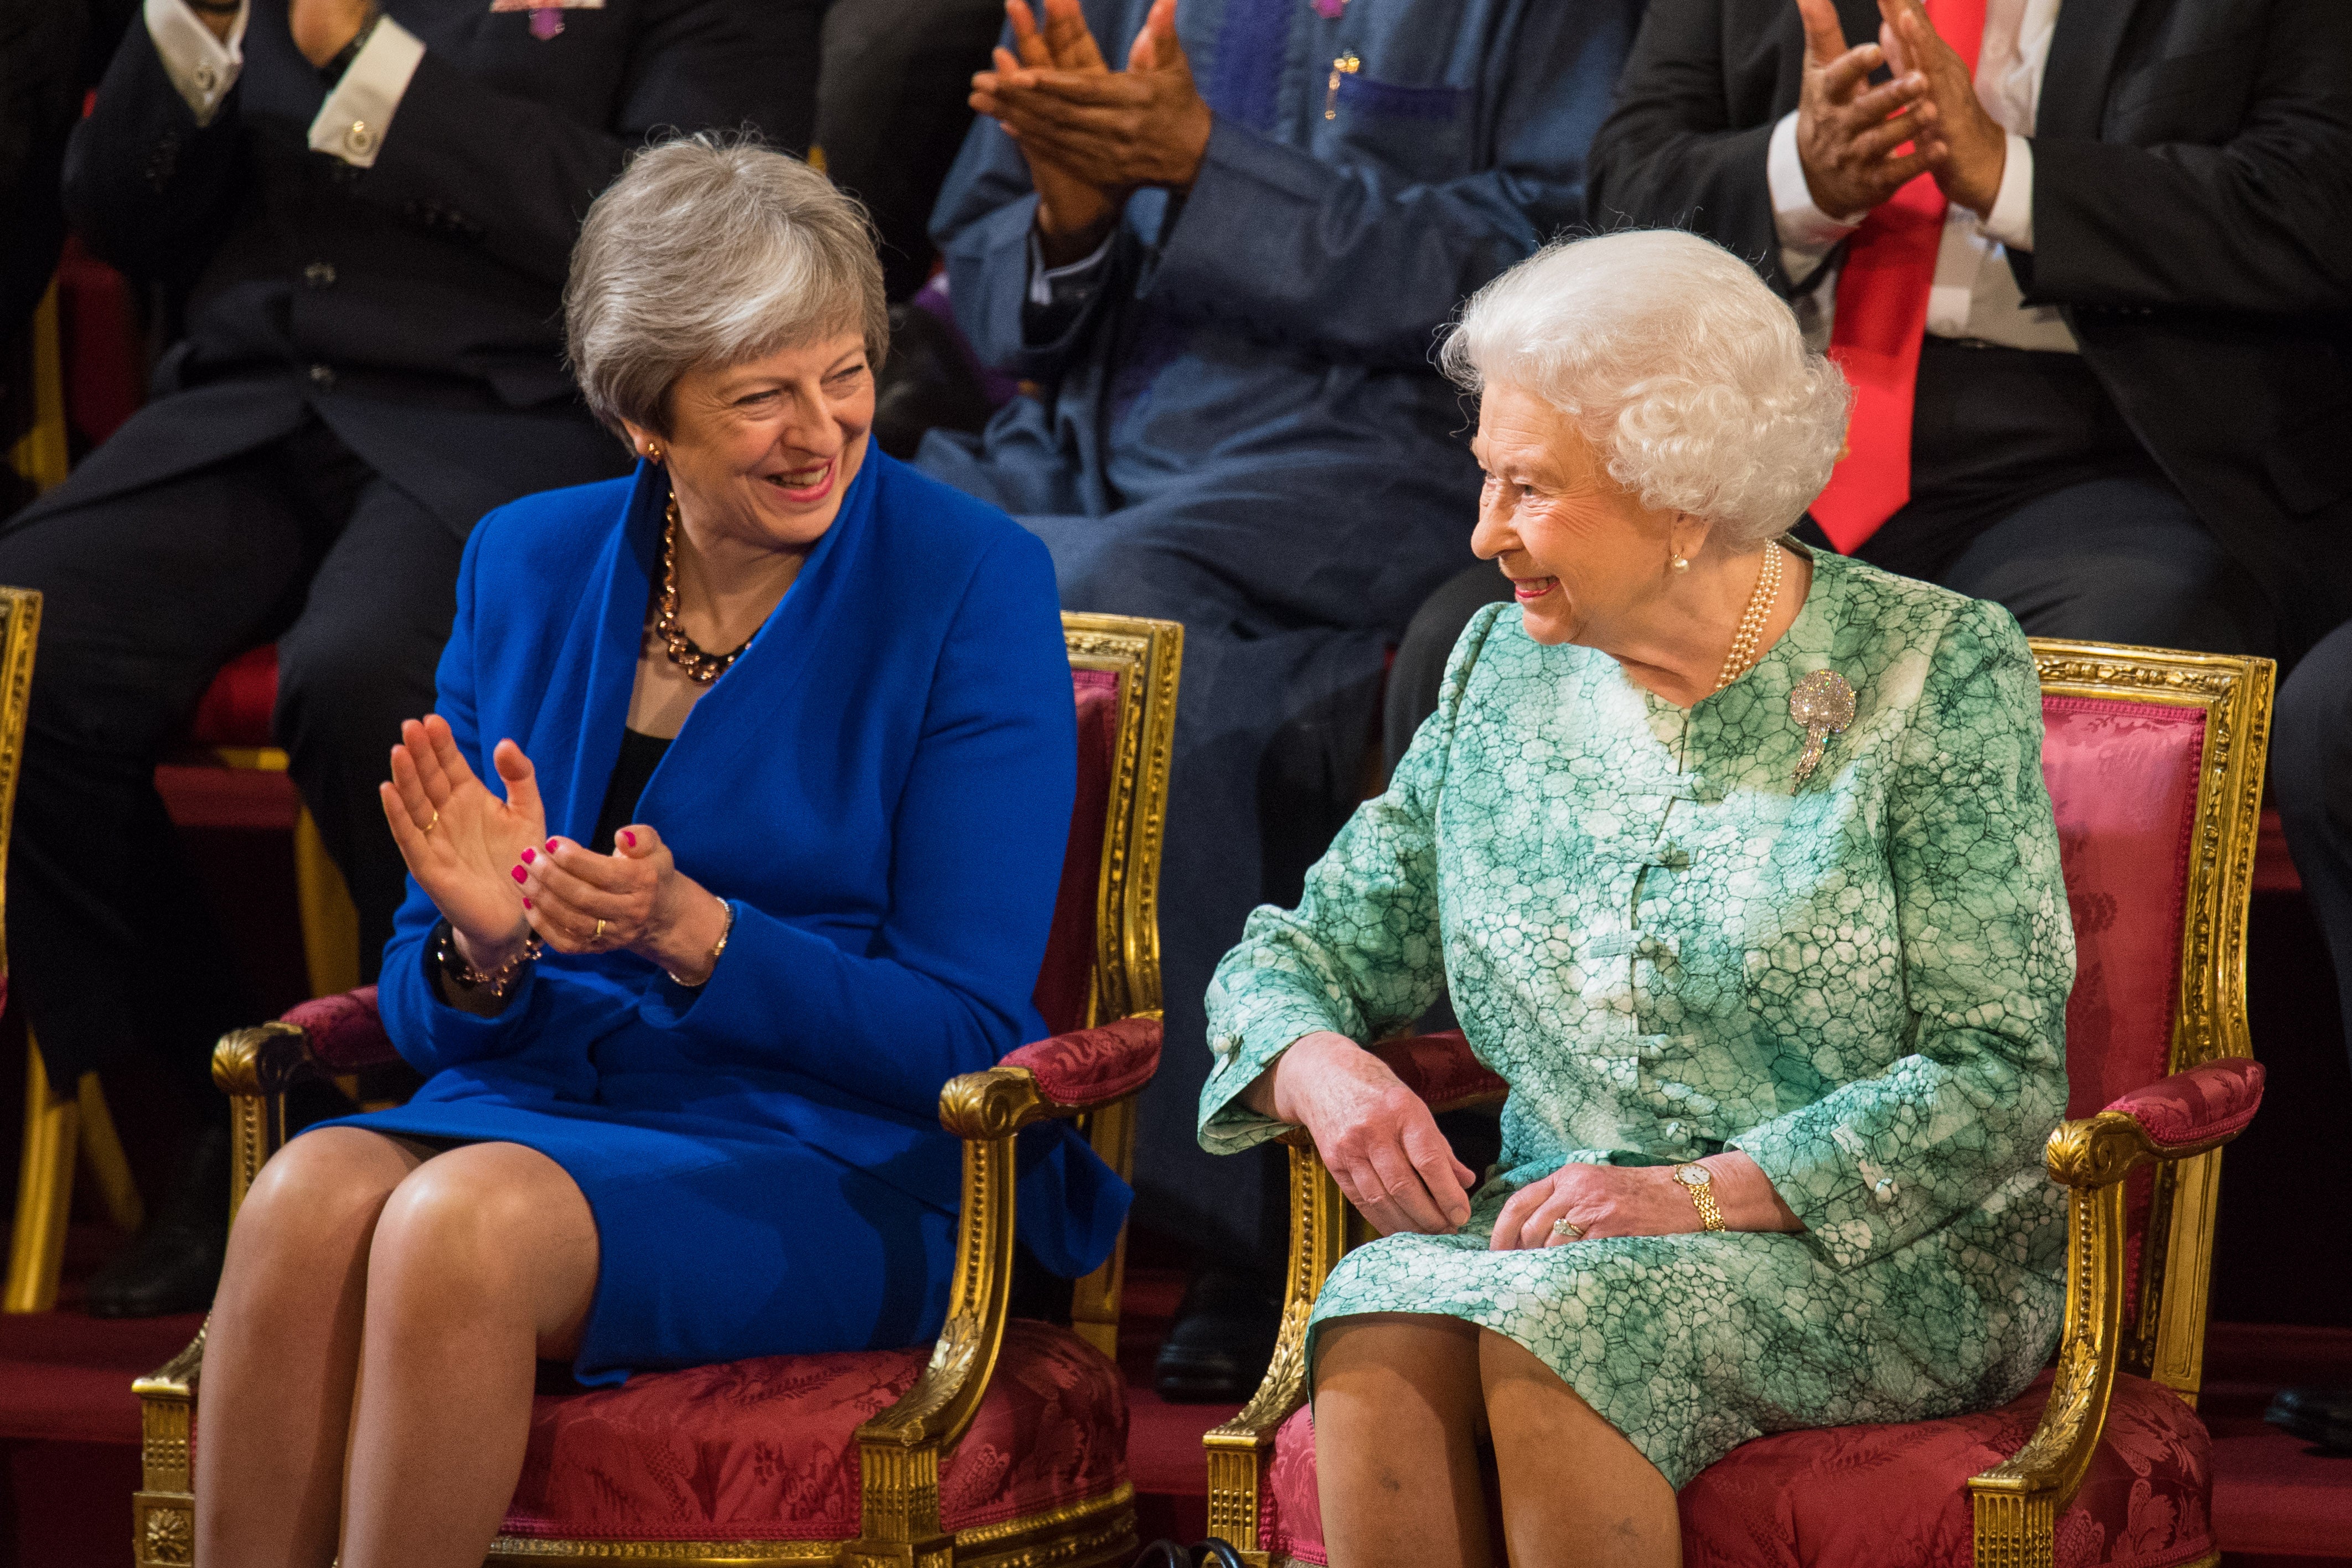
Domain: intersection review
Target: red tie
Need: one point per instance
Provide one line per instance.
(1881, 314)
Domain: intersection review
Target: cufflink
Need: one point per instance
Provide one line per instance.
(206, 77)
(359, 138)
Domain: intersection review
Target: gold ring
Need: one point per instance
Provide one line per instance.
(436, 821)
(1567, 1230)
(599, 932)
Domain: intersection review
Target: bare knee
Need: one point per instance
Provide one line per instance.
(493, 1228)
(322, 1182)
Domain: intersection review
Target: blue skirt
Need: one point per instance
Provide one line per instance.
(720, 1239)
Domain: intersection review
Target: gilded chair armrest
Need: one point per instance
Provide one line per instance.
(900, 1450)
(346, 1031)
(1442, 1069)
(2017, 1503)
(2172, 1119)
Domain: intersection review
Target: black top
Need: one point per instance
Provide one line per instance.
(640, 755)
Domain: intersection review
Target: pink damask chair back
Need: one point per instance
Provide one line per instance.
(2154, 761)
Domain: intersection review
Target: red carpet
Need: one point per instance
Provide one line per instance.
(69, 1436)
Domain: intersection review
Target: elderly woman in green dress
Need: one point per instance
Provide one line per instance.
(1737, 864)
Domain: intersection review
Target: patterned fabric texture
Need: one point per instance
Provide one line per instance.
(1862, 1497)
(1865, 1496)
(1668, 948)
(2123, 782)
(1066, 981)
(345, 1034)
(1094, 1066)
(764, 1449)
(1441, 1068)
(2215, 1100)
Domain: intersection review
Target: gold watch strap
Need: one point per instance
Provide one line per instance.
(1702, 1195)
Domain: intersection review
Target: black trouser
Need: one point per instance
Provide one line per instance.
(2310, 778)
(2028, 489)
(145, 595)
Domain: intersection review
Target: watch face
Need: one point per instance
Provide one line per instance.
(1694, 1176)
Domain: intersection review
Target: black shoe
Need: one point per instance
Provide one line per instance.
(1222, 1337)
(175, 1261)
(2321, 1416)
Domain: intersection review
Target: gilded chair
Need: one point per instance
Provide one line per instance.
(2155, 766)
(69, 1123)
(1002, 1445)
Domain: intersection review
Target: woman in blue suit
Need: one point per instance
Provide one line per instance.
(785, 741)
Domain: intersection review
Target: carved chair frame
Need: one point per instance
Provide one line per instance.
(901, 1450)
(2016, 1504)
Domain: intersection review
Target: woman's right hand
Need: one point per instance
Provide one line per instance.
(1377, 1136)
(462, 843)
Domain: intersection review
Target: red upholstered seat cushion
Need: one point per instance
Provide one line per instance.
(764, 1449)
(344, 1031)
(2213, 1100)
(1863, 1497)
(1093, 1066)
(237, 706)
(1870, 1497)
(1066, 980)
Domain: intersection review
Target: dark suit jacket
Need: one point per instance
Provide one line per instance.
(2192, 220)
(417, 304)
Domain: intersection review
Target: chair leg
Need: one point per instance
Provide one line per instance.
(330, 922)
(36, 1248)
(102, 1151)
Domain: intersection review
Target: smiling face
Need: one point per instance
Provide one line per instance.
(1585, 557)
(760, 453)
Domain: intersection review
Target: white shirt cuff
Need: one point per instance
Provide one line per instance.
(1042, 279)
(202, 68)
(1807, 233)
(2011, 219)
(354, 121)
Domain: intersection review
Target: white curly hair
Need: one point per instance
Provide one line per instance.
(1671, 357)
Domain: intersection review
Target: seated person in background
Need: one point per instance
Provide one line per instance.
(366, 219)
(1226, 289)
(1740, 857)
(2091, 288)
(788, 780)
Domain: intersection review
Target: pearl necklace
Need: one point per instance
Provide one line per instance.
(1751, 621)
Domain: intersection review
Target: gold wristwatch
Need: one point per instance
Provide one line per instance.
(1699, 1182)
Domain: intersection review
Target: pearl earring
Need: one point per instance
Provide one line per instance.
(1682, 563)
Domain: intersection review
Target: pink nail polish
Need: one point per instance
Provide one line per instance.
(522, 875)
(526, 903)
(629, 837)
(528, 856)
(550, 846)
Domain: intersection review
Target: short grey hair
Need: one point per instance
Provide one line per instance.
(1670, 355)
(713, 250)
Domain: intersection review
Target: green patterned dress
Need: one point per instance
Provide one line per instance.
(1667, 949)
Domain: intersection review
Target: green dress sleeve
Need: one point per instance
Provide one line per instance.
(1362, 954)
(1987, 959)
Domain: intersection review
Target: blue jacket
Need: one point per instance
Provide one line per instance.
(881, 787)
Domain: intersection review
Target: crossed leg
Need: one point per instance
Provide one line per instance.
(368, 1372)
(1402, 1402)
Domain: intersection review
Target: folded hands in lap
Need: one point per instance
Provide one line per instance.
(489, 868)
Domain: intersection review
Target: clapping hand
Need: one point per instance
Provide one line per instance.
(459, 840)
(1965, 148)
(1093, 135)
(1377, 1136)
(1847, 130)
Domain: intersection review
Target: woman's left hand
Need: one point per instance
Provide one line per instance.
(634, 898)
(1603, 1201)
